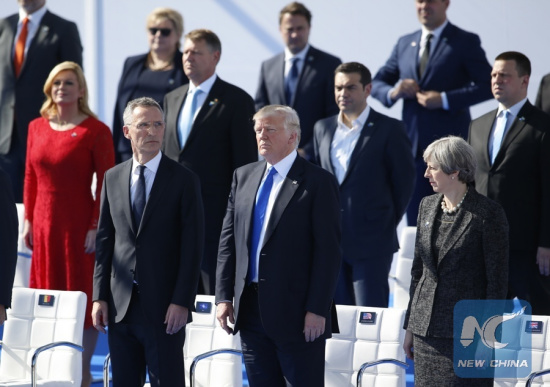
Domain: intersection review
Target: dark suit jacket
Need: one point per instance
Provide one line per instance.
(314, 97)
(222, 138)
(457, 66)
(519, 179)
(300, 257)
(543, 95)
(21, 98)
(129, 81)
(377, 187)
(472, 264)
(9, 232)
(165, 251)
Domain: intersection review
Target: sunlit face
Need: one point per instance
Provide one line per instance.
(432, 13)
(199, 62)
(439, 180)
(157, 41)
(274, 141)
(294, 31)
(507, 86)
(66, 89)
(145, 132)
(31, 6)
(350, 94)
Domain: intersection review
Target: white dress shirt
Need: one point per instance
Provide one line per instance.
(282, 168)
(513, 112)
(344, 141)
(32, 27)
(149, 173)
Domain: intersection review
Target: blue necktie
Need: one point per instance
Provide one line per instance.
(291, 80)
(259, 216)
(187, 117)
(498, 135)
(139, 196)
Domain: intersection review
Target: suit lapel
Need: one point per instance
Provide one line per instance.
(124, 181)
(211, 104)
(251, 187)
(460, 224)
(160, 183)
(485, 130)
(39, 38)
(171, 140)
(441, 46)
(414, 49)
(366, 133)
(325, 144)
(517, 126)
(279, 84)
(288, 189)
(308, 70)
(427, 225)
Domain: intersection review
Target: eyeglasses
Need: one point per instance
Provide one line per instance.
(163, 31)
(146, 125)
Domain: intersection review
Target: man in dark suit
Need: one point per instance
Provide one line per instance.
(31, 44)
(438, 72)
(209, 130)
(279, 258)
(148, 252)
(9, 227)
(543, 95)
(301, 76)
(512, 146)
(370, 155)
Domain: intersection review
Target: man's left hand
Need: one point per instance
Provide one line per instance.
(429, 99)
(543, 260)
(314, 326)
(176, 318)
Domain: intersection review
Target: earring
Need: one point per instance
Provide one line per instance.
(452, 177)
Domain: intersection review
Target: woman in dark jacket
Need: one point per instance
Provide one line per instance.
(153, 74)
(461, 253)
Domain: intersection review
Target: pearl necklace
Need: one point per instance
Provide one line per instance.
(454, 209)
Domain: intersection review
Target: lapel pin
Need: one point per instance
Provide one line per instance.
(310, 58)
(73, 134)
(171, 81)
(213, 102)
(294, 182)
(427, 224)
(413, 44)
(522, 118)
(370, 124)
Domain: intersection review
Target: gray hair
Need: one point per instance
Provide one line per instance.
(291, 123)
(145, 102)
(453, 154)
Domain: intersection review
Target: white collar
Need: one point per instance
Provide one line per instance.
(301, 55)
(436, 33)
(514, 109)
(285, 164)
(34, 17)
(359, 122)
(152, 164)
(205, 86)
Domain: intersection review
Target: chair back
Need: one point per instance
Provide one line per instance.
(403, 268)
(23, 268)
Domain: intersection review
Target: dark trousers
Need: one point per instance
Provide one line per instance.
(422, 188)
(365, 282)
(272, 363)
(526, 283)
(135, 344)
(13, 163)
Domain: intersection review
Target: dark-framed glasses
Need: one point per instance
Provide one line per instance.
(163, 31)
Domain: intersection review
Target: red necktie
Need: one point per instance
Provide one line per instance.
(19, 56)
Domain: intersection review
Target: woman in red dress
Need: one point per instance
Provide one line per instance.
(66, 146)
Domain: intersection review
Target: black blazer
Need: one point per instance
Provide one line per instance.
(56, 40)
(519, 179)
(378, 184)
(133, 67)
(314, 97)
(471, 265)
(9, 232)
(165, 251)
(300, 257)
(222, 138)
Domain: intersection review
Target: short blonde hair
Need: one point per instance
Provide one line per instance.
(163, 13)
(49, 107)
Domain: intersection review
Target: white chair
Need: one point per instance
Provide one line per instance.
(23, 269)
(403, 270)
(43, 339)
(211, 356)
(366, 335)
(536, 345)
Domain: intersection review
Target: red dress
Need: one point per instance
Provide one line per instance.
(59, 201)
